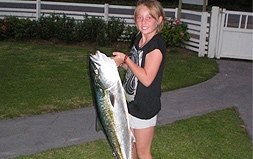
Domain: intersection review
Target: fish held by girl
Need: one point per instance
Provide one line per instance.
(110, 104)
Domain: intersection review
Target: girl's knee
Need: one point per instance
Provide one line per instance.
(144, 154)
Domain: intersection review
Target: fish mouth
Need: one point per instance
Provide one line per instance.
(103, 69)
(94, 72)
(95, 54)
(94, 61)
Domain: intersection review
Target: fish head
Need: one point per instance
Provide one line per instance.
(104, 70)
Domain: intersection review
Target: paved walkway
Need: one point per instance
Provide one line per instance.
(231, 87)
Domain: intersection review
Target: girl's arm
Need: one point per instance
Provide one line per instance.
(147, 74)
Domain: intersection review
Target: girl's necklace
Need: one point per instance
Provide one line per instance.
(141, 44)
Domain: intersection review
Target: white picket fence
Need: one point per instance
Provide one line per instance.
(37, 8)
(205, 37)
(235, 38)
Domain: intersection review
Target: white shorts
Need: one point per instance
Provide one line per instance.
(137, 123)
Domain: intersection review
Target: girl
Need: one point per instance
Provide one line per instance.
(144, 67)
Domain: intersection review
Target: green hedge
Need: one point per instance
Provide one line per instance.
(59, 27)
(65, 29)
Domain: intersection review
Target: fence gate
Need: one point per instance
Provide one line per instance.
(235, 35)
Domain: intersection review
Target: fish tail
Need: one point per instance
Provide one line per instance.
(115, 155)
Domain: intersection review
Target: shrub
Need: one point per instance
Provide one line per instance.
(46, 27)
(65, 27)
(18, 29)
(128, 34)
(175, 33)
(91, 29)
(56, 26)
(3, 29)
(115, 28)
(95, 29)
(8, 27)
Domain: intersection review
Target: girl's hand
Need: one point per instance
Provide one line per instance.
(118, 57)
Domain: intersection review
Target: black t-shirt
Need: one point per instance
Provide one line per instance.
(144, 102)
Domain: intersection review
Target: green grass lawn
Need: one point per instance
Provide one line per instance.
(39, 78)
(217, 135)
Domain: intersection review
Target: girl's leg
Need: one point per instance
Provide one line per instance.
(134, 153)
(143, 143)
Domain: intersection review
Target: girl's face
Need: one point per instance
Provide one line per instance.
(145, 22)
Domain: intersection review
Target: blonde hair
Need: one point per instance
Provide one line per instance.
(155, 10)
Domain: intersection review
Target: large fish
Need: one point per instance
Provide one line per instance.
(110, 104)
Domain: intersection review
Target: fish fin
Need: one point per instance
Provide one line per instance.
(98, 125)
(133, 137)
(126, 95)
(112, 98)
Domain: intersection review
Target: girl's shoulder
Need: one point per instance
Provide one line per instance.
(158, 42)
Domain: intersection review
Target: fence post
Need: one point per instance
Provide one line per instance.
(106, 12)
(222, 24)
(213, 32)
(176, 12)
(202, 38)
(179, 10)
(38, 9)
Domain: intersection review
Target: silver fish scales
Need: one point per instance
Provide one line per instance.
(110, 105)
